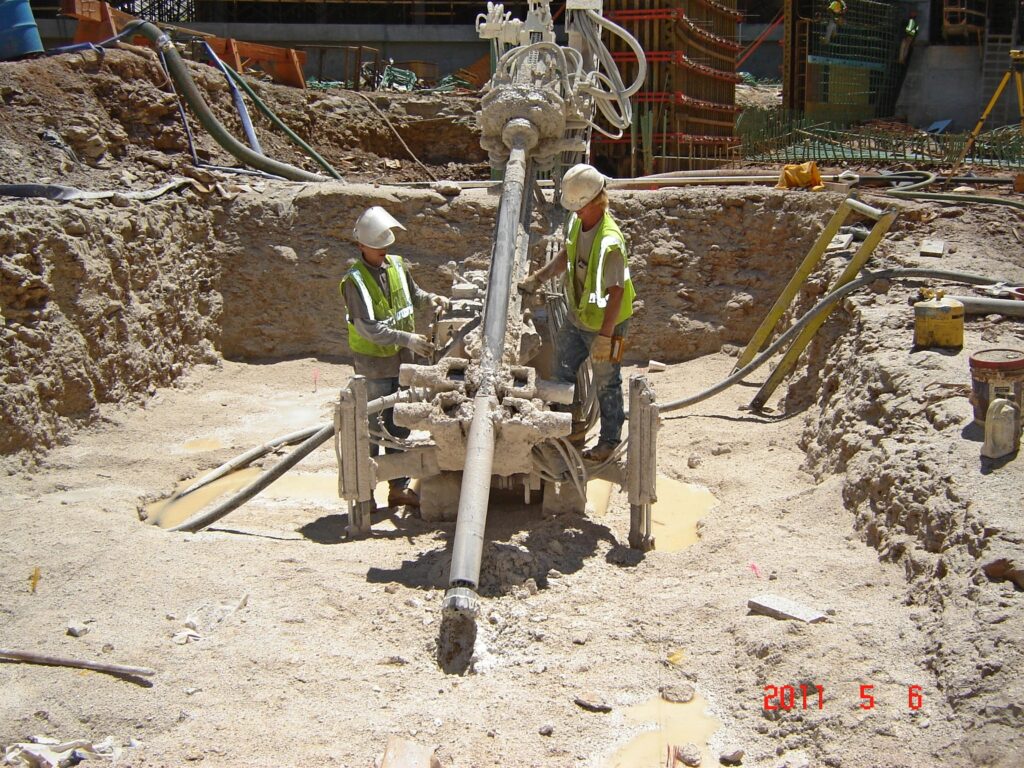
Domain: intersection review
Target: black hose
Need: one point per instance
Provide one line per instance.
(823, 305)
(247, 458)
(190, 92)
(202, 520)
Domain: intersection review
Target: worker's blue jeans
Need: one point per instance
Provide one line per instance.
(385, 421)
(573, 348)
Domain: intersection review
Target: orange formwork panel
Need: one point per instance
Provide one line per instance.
(98, 21)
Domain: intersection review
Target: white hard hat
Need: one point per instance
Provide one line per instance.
(373, 229)
(581, 184)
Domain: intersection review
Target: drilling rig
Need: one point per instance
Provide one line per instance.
(486, 393)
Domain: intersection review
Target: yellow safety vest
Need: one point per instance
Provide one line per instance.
(396, 312)
(589, 306)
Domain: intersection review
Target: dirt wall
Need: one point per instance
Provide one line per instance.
(104, 299)
(895, 423)
(706, 263)
(99, 303)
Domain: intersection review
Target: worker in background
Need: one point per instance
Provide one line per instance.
(909, 33)
(599, 295)
(836, 16)
(380, 297)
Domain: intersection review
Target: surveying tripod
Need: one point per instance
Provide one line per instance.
(1016, 70)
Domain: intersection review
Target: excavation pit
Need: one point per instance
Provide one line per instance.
(158, 325)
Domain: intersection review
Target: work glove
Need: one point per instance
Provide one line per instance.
(419, 344)
(441, 304)
(601, 349)
(530, 284)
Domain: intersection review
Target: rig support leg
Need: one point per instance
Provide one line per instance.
(356, 474)
(642, 462)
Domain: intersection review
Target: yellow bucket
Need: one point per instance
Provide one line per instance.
(939, 323)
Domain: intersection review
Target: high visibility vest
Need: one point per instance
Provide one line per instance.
(911, 28)
(589, 306)
(396, 311)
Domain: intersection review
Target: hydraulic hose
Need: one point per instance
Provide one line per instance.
(188, 89)
(632, 42)
(248, 458)
(269, 114)
(952, 198)
(236, 96)
(202, 520)
(129, 29)
(817, 309)
(322, 434)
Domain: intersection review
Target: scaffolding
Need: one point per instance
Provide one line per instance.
(843, 71)
(684, 118)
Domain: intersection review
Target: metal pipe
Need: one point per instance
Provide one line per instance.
(467, 550)
(499, 282)
(476, 488)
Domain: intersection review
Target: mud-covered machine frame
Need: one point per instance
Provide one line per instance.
(485, 394)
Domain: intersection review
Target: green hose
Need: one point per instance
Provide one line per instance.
(261, 105)
(188, 89)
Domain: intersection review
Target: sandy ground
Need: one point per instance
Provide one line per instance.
(311, 649)
(333, 651)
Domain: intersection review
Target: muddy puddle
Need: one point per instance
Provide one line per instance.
(319, 487)
(676, 725)
(675, 514)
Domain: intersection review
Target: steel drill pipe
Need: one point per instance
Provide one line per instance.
(467, 550)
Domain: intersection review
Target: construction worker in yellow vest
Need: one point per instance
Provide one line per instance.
(599, 295)
(836, 16)
(910, 31)
(381, 298)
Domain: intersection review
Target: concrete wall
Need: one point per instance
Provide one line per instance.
(766, 62)
(943, 82)
(450, 47)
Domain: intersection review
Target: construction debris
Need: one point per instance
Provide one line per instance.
(30, 657)
(402, 753)
(783, 608)
(677, 694)
(45, 752)
(933, 247)
(592, 703)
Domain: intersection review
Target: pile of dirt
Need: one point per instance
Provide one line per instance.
(110, 120)
(895, 423)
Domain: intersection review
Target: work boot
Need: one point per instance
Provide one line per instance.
(403, 497)
(600, 452)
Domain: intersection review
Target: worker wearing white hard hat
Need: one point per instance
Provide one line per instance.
(599, 294)
(381, 298)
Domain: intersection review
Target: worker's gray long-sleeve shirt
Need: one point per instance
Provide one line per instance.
(379, 332)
